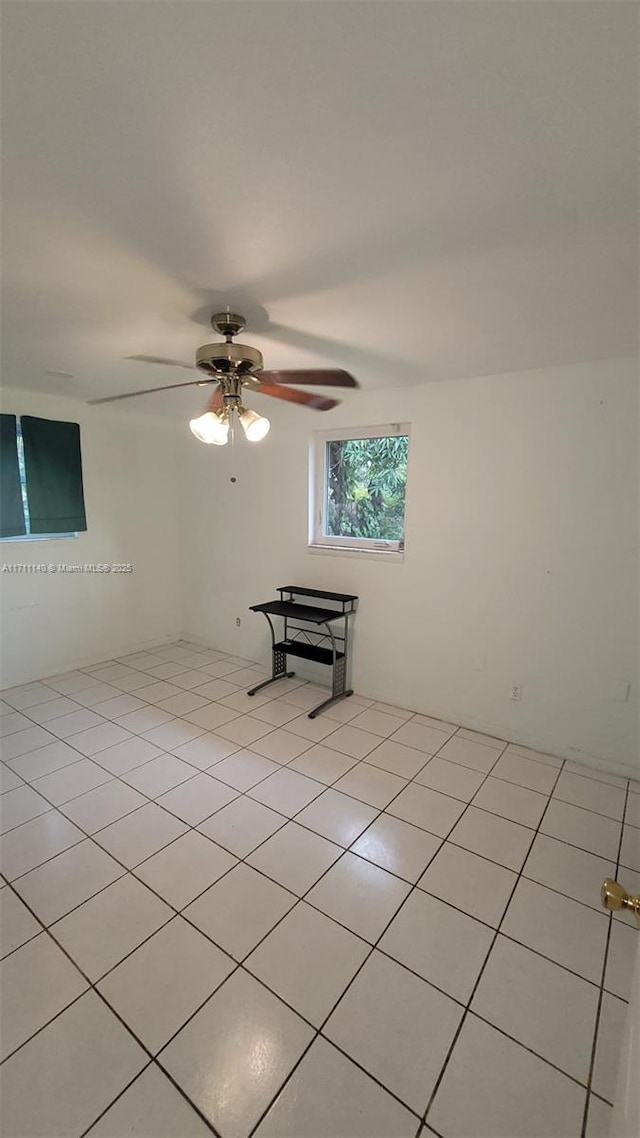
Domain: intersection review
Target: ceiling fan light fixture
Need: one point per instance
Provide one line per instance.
(254, 426)
(211, 428)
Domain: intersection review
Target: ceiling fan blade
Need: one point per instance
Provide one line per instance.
(318, 402)
(323, 377)
(161, 360)
(150, 390)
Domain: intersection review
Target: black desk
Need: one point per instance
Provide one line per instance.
(325, 639)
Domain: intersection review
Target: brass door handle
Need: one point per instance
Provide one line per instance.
(614, 897)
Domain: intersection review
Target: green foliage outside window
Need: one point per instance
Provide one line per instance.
(366, 481)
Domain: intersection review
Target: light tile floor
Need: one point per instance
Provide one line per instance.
(219, 916)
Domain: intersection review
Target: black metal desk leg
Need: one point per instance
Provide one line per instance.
(338, 676)
(272, 680)
(278, 663)
(329, 701)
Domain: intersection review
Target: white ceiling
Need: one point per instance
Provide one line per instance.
(414, 191)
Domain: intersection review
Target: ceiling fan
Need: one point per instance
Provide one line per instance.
(230, 367)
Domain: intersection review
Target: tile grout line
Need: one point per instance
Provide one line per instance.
(190, 827)
(92, 987)
(344, 850)
(291, 818)
(124, 692)
(238, 964)
(596, 1031)
(91, 835)
(179, 913)
(353, 978)
(334, 1044)
(93, 758)
(175, 913)
(89, 671)
(479, 977)
(239, 714)
(200, 770)
(197, 770)
(245, 793)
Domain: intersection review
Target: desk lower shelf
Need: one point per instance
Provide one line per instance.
(307, 651)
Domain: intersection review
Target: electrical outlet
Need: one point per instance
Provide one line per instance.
(516, 691)
(237, 622)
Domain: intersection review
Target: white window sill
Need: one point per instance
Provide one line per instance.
(40, 537)
(389, 555)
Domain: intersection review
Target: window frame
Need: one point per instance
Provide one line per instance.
(318, 540)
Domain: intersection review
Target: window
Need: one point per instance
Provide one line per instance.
(41, 478)
(358, 478)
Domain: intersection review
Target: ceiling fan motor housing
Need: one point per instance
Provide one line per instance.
(226, 358)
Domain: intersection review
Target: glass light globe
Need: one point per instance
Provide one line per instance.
(209, 428)
(254, 426)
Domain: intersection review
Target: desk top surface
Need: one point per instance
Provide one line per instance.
(310, 613)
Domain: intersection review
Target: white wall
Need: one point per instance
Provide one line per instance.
(51, 623)
(521, 558)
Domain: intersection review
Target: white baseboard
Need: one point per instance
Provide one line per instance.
(110, 653)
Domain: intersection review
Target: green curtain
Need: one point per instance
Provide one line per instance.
(54, 475)
(11, 512)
